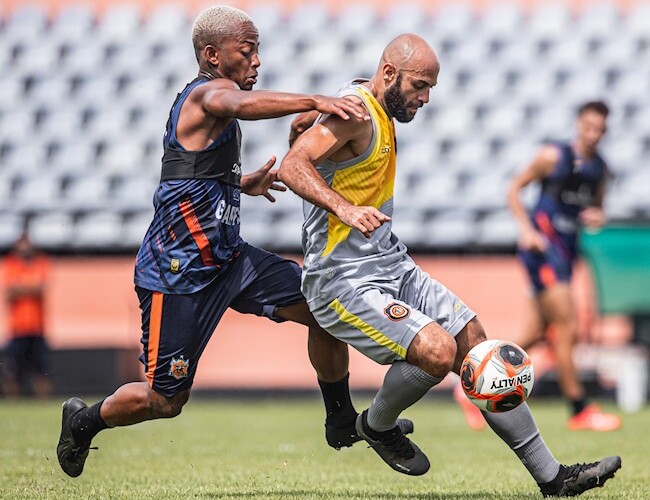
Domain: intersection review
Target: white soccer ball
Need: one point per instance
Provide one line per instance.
(497, 375)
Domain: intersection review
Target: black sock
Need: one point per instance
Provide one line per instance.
(578, 405)
(87, 423)
(336, 396)
(372, 433)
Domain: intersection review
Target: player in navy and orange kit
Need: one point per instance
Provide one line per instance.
(572, 178)
(193, 264)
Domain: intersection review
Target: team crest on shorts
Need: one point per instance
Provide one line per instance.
(179, 368)
(396, 312)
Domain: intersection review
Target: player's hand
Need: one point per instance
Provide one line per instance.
(533, 240)
(342, 107)
(364, 219)
(261, 181)
(592, 217)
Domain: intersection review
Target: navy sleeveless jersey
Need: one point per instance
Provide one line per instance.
(571, 187)
(194, 234)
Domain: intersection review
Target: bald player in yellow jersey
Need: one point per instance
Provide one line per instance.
(363, 288)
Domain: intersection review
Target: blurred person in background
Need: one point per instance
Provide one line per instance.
(26, 364)
(572, 177)
(193, 265)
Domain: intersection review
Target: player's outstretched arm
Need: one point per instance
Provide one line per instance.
(540, 168)
(298, 172)
(223, 98)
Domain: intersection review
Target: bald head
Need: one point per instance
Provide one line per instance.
(410, 52)
(408, 69)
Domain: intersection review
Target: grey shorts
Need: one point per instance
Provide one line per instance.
(380, 319)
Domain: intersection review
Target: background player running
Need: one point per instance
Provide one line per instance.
(572, 177)
(363, 288)
(193, 264)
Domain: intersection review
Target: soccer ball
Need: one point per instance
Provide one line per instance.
(497, 375)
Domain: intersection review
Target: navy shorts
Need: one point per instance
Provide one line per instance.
(176, 328)
(25, 356)
(547, 268)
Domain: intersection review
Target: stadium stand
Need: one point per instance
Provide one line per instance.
(84, 99)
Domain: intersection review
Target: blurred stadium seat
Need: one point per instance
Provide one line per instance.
(84, 99)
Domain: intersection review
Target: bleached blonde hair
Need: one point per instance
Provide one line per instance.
(216, 24)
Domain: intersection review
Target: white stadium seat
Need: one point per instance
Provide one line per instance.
(52, 231)
(73, 24)
(497, 229)
(450, 230)
(86, 193)
(39, 193)
(98, 230)
(11, 227)
(120, 23)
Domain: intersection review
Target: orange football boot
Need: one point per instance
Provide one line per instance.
(592, 418)
(472, 414)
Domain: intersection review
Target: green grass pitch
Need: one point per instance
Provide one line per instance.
(275, 449)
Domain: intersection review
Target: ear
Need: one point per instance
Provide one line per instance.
(211, 55)
(389, 73)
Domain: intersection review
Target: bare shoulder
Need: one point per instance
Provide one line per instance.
(549, 153)
(352, 127)
(545, 160)
(216, 85)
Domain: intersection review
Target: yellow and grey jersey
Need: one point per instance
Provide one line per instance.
(334, 251)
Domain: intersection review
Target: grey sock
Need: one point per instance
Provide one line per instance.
(403, 385)
(518, 429)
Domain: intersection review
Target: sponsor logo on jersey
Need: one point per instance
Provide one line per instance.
(329, 273)
(179, 368)
(457, 305)
(564, 223)
(236, 169)
(397, 312)
(581, 197)
(385, 149)
(227, 214)
(175, 266)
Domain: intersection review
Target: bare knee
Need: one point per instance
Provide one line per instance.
(566, 332)
(433, 350)
(167, 407)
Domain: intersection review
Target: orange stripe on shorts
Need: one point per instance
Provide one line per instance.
(547, 275)
(196, 231)
(545, 225)
(155, 319)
